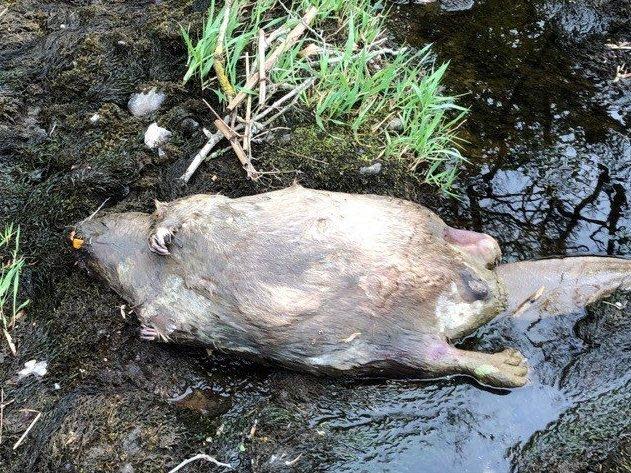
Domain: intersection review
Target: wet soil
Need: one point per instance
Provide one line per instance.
(549, 175)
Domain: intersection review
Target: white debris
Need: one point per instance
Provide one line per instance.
(57, 386)
(143, 103)
(156, 136)
(370, 170)
(33, 367)
(95, 118)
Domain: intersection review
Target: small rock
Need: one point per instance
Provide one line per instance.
(33, 367)
(456, 5)
(95, 118)
(155, 136)
(189, 126)
(143, 103)
(396, 124)
(57, 386)
(127, 468)
(370, 170)
(36, 175)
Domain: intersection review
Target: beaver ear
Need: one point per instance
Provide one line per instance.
(160, 208)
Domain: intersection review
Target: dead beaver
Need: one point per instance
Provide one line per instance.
(329, 282)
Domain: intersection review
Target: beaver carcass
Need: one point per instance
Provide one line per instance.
(329, 282)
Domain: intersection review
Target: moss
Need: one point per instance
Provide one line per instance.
(333, 160)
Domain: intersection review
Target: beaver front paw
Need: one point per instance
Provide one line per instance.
(159, 239)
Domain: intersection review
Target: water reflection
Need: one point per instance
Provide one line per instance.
(565, 199)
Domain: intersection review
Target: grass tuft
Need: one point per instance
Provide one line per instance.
(359, 83)
(10, 270)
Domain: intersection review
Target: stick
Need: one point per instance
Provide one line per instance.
(21, 439)
(294, 93)
(274, 35)
(291, 38)
(232, 136)
(247, 133)
(200, 456)
(218, 55)
(2, 406)
(262, 76)
(294, 461)
(201, 155)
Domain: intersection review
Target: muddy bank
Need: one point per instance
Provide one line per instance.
(549, 177)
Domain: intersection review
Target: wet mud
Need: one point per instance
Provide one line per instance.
(549, 175)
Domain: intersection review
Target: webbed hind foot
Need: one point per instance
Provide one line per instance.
(506, 369)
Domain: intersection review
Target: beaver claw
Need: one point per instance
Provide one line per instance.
(149, 333)
(159, 240)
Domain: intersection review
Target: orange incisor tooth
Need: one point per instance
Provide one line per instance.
(77, 243)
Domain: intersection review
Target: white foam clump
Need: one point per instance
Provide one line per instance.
(371, 170)
(33, 367)
(143, 103)
(156, 136)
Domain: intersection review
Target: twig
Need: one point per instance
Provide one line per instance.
(7, 335)
(231, 135)
(622, 73)
(624, 45)
(262, 74)
(247, 133)
(293, 93)
(271, 61)
(200, 456)
(218, 55)
(274, 35)
(294, 461)
(21, 439)
(201, 155)
(93, 214)
(4, 11)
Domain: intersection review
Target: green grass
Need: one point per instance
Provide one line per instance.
(10, 269)
(357, 85)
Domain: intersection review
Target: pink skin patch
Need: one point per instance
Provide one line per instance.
(477, 244)
(438, 351)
